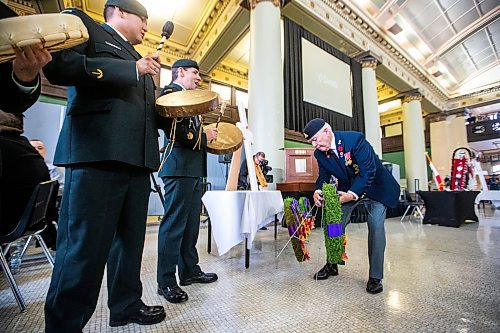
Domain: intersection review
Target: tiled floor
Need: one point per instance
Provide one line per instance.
(437, 279)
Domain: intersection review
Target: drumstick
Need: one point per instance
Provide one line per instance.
(221, 113)
(166, 32)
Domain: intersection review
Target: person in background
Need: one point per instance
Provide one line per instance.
(109, 146)
(182, 171)
(243, 182)
(56, 173)
(49, 234)
(362, 179)
(21, 167)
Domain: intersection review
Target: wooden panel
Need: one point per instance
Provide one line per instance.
(395, 143)
(296, 187)
(230, 116)
(294, 136)
(52, 90)
(300, 165)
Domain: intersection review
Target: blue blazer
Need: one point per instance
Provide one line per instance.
(358, 169)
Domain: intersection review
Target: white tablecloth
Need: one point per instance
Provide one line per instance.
(238, 214)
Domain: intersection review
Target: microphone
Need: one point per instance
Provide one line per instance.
(166, 32)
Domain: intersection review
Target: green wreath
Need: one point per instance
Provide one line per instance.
(335, 240)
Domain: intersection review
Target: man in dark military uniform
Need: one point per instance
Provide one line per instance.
(362, 179)
(108, 145)
(182, 172)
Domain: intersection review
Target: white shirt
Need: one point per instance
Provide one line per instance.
(25, 89)
(333, 146)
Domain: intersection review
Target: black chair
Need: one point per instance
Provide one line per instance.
(33, 221)
(416, 203)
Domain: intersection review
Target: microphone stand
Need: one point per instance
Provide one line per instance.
(167, 30)
(157, 189)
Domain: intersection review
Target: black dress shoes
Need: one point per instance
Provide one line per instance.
(326, 271)
(173, 294)
(145, 315)
(374, 286)
(200, 278)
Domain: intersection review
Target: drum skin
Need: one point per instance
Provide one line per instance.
(228, 140)
(54, 31)
(187, 103)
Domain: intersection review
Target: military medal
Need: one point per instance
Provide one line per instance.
(189, 135)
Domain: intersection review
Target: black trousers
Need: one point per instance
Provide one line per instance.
(102, 220)
(179, 230)
(21, 169)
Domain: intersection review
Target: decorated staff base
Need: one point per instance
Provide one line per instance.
(299, 221)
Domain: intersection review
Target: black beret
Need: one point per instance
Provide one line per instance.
(313, 127)
(185, 63)
(130, 6)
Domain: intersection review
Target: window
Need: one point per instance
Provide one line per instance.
(223, 91)
(165, 77)
(242, 96)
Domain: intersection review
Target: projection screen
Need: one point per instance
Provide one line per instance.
(327, 81)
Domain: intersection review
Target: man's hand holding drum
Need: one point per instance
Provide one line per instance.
(29, 61)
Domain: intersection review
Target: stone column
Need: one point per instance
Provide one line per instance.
(265, 84)
(370, 100)
(414, 140)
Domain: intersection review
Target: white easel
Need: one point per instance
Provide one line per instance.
(234, 169)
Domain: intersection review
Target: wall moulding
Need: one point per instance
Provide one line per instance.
(21, 7)
(221, 14)
(485, 96)
(228, 75)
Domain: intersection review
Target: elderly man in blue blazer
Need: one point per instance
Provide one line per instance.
(361, 179)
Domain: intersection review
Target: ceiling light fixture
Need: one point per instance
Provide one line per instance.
(393, 27)
(434, 71)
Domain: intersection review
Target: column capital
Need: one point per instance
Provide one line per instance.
(443, 115)
(251, 4)
(368, 59)
(410, 95)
